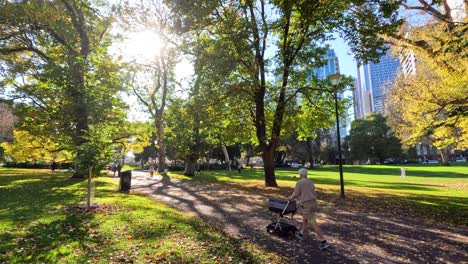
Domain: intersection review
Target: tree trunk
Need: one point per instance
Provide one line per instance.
(270, 147)
(161, 146)
(210, 154)
(260, 90)
(88, 197)
(444, 154)
(190, 166)
(310, 154)
(196, 144)
(77, 90)
(269, 166)
(80, 120)
(226, 157)
(160, 118)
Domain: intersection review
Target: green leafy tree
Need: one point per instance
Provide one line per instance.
(318, 114)
(54, 57)
(153, 80)
(294, 30)
(132, 136)
(442, 34)
(215, 102)
(433, 104)
(372, 139)
(346, 148)
(180, 136)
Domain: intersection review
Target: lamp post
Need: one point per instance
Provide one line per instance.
(335, 80)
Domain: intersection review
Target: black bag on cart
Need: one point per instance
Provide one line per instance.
(282, 207)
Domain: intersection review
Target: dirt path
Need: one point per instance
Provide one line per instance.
(356, 237)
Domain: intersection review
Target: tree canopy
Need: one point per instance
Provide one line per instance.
(433, 103)
(274, 44)
(372, 139)
(54, 59)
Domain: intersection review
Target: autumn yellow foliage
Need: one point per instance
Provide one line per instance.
(27, 147)
(431, 104)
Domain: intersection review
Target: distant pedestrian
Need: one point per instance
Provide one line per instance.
(403, 172)
(305, 191)
(239, 167)
(198, 168)
(151, 164)
(53, 166)
(116, 167)
(119, 168)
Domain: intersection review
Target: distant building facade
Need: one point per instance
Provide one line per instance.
(408, 62)
(332, 66)
(457, 7)
(373, 79)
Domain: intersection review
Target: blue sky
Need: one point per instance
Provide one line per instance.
(345, 57)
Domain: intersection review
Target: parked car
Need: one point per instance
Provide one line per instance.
(391, 161)
(432, 161)
(411, 161)
(460, 159)
(296, 165)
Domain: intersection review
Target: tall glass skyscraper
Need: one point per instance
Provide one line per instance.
(372, 80)
(331, 67)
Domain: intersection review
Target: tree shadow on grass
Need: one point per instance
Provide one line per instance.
(167, 223)
(28, 198)
(427, 208)
(56, 235)
(217, 243)
(51, 241)
(214, 176)
(233, 216)
(400, 239)
(395, 171)
(363, 239)
(389, 185)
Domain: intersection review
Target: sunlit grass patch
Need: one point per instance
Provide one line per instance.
(429, 192)
(42, 223)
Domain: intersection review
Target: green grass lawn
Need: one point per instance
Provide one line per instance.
(40, 224)
(432, 192)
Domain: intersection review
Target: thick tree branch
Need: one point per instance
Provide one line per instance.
(78, 22)
(21, 49)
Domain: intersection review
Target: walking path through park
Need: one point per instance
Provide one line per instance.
(356, 237)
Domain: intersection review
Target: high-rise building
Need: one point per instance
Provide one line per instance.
(332, 66)
(361, 101)
(373, 79)
(457, 8)
(408, 62)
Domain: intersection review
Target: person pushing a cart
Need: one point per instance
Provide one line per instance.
(305, 193)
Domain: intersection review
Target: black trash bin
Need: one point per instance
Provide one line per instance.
(125, 181)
